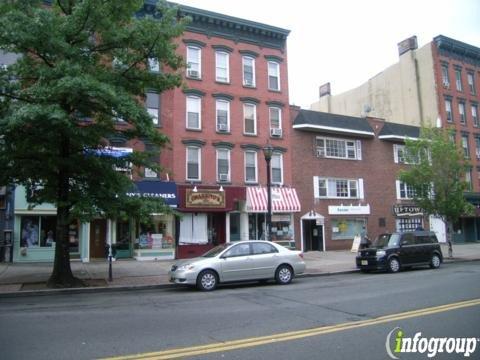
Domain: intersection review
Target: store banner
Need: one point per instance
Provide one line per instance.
(156, 189)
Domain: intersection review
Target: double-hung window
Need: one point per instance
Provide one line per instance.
(275, 115)
(465, 147)
(458, 79)
(338, 188)
(152, 103)
(194, 63)
(273, 76)
(448, 110)
(223, 115)
(404, 191)
(276, 165)
(250, 166)
(401, 156)
(338, 148)
(445, 77)
(461, 111)
(474, 111)
(193, 163)
(194, 118)
(222, 67)
(248, 71)
(153, 65)
(250, 119)
(471, 82)
(223, 165)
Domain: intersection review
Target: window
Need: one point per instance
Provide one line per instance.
(40, 231)
(275, 115)
(194, 65)
(149, 173)
(448, 109)
(273, 76)
(405, 191)
(474, 109)
(276, 165)
(338, 188)
(468, 179)
(477, 147)
(461, 111)
(223, 115)
(223, 165)
(263, 248)
(404, 224)
(222, 65)
(465, 148)
(338, 148)
(250, 119)
(445, 78)
(153, 105)
(248, 71)
(193, 113)
(193, 163)
(250, 166)
(153, 65)
(458, 79)
(471, 82)
(344, 229)
(238, 250)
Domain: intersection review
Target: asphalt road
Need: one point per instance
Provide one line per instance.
(330, 317)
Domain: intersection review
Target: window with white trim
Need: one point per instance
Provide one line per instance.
(275, 116)
(152, 103)
(248, 64)
(458, 79)
(223, 115)
(276, 165)
(461, 111)
(445, 77)
(468, 179)
(333, 188)
(153, 65)
(448, 109)
(465, 147)
(223, 165)
(273, 76)
(474, 111)
(477, 147)
(400, 155)
(193, 163)
(471, 82)
(250, 119)
(338, 148)
(222, 67)
(194, 62)
(194, 118)
(149, 173)
(250, 166)
(404, 191)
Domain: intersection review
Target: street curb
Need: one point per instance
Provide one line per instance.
(123, 288)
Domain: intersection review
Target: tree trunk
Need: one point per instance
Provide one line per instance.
(450, 238)
(62, 275)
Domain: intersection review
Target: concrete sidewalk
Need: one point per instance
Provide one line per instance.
(23, 279)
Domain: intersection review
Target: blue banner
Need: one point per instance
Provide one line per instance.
(156, 189)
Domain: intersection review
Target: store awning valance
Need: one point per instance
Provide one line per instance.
(284, 200)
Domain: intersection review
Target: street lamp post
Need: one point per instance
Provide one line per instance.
(267, 152)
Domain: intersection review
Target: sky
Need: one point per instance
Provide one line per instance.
(347, 42)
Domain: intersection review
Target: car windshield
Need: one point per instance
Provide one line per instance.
(386, 240)
(215, 251)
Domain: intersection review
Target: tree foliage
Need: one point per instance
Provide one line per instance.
(437, 175)
(82, 66)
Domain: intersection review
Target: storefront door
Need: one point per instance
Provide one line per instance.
(98, 237)
(312, 235)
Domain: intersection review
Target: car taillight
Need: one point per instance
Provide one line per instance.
(301, 255)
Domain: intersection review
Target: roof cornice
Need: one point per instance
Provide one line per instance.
(332, 129)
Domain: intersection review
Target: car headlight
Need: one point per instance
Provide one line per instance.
(185, 267)
(359, 253)
(381, 253)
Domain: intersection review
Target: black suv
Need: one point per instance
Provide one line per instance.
(392, 252)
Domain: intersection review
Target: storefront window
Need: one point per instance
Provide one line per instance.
(234, 226)
(408, 223)
(157, 235)
(282, 227)
(123, 235)
(256, 226)
(347, 229)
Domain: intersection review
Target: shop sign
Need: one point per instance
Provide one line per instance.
(157, 190)
(281, 217)
(349, 210)
(407, 210)
(204, 199)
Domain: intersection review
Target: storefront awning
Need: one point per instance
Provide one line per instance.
(284, 200)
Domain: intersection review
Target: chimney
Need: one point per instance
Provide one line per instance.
(324, 90)
(407, 45)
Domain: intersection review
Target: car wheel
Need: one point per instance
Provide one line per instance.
(284, 275)
(393, 265)
(207, 280)
(435, 261)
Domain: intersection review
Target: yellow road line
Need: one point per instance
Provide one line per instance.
(293, 335)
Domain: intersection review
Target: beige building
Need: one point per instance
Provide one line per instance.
(404, 92)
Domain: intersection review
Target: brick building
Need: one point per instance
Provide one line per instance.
(348, 183)
(435, 85)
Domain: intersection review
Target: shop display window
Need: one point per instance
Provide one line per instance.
(347, 229)
(157, 235)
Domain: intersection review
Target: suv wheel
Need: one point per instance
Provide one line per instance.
(435, 261)
(393, 265)
(207, 280)
(284, 275)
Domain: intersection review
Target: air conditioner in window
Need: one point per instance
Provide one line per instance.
(446, 84)
(275, 132)
(222, 127)
(193, 74)
(320, 152)
(223, 177)
(248, 82)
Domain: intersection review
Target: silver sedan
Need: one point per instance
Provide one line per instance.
(239, 261)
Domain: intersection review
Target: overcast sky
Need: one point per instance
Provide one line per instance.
(346, 42)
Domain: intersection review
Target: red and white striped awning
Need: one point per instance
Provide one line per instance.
(284, 200)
